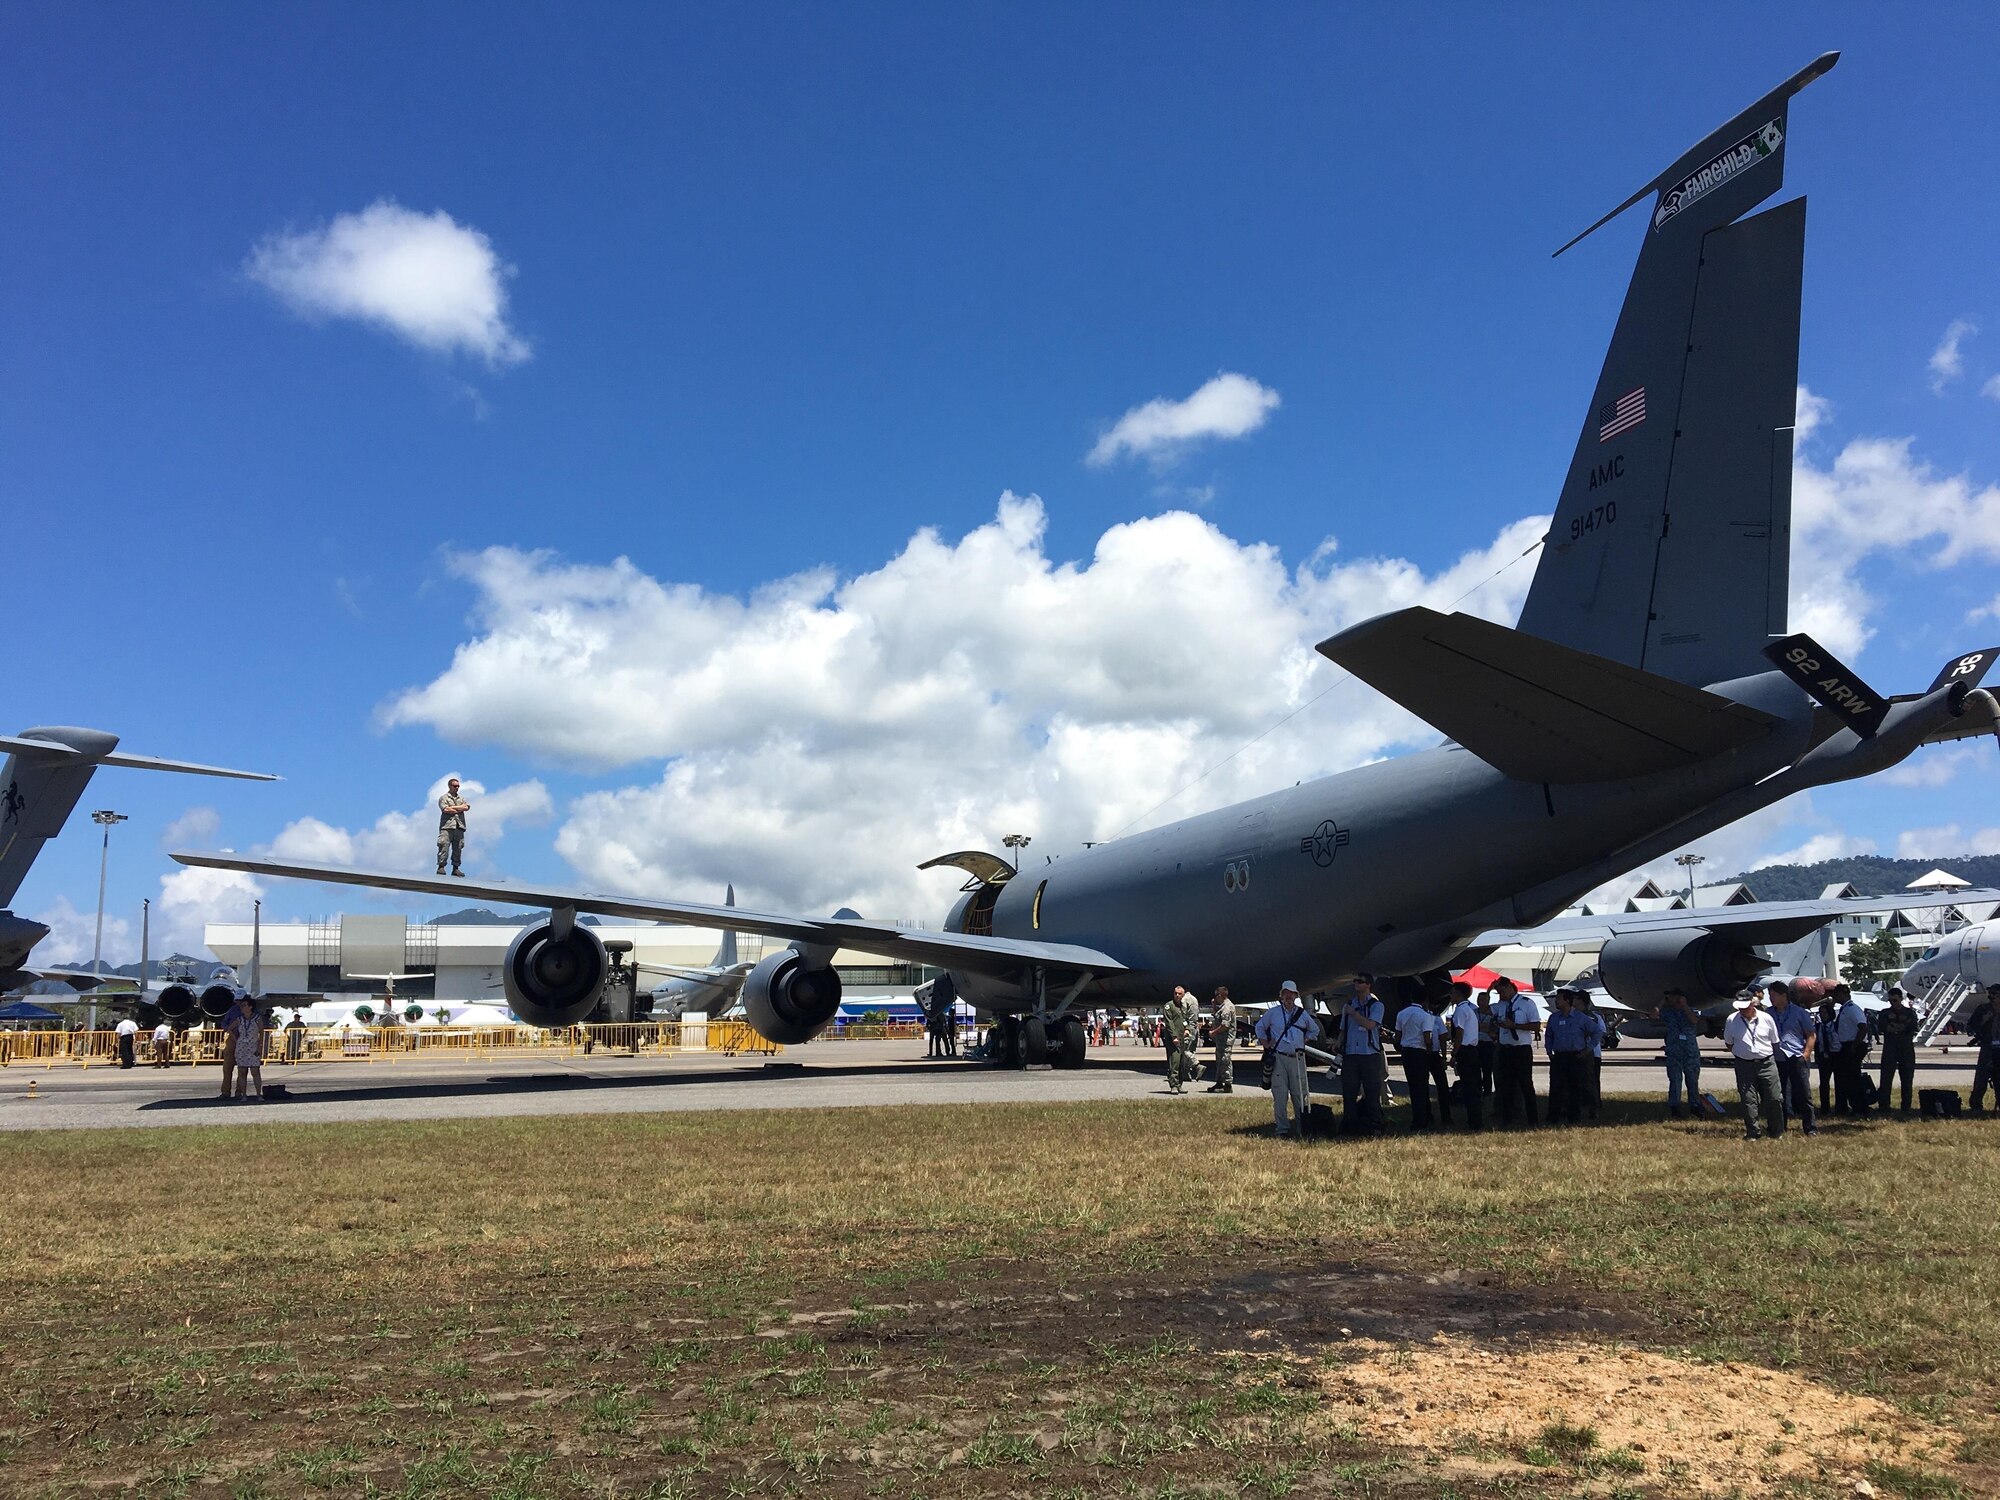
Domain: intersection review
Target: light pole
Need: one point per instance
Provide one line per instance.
(105, 819)
(1688, 862)
(1017, 842)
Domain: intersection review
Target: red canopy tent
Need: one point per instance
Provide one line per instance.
(1479, 977)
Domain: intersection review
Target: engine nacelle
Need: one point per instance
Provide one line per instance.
(1637, 967)
(788, 1000)
(218, 1000)
(552, 982)
(180, 1004)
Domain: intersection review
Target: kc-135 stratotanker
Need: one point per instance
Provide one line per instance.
(1649, 695)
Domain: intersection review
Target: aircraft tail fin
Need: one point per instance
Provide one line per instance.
(1535, 710)
(40, 784)
(725, 954)
(1670, 547)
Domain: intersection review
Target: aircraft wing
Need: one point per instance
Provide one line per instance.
(1759, 922)
(957, 950)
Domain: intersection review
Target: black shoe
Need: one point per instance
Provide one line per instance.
(1213, 1088)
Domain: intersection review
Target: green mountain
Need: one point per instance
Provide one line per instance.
(1870, 874)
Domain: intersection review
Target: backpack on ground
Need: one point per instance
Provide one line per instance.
(1320, 1121)
(1938, 1104)
(1709, 1107)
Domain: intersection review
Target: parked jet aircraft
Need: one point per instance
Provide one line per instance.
(1649, 696)
(42, 780)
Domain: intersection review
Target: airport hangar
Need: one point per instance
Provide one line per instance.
(459, 961)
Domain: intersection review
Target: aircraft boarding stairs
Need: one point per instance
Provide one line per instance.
(1944, 1002)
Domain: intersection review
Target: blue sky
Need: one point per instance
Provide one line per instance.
(784, 287)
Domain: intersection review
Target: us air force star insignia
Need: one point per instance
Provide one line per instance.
(1324, 842)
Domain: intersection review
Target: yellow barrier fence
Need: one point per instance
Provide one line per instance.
(387, 1043)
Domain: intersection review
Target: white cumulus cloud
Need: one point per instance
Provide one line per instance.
(1991, 390)
(821, 737)
(1947, 361)
(424, 277)
(1229, 406)
(1875, 497)
(1946, 840)
(73, 935)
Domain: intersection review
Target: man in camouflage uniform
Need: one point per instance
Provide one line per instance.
(1178, 1021)
(1222, 1031)
(452, 809)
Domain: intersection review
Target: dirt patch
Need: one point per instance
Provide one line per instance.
(1700, 1428)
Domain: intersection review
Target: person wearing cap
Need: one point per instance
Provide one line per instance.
(1567, 1044)
(1753, 1041)
(1983, 1026)
(1520, 1026)
(1416, 1046)
(1285, 1029)
(1898, 1025)
(1850, 1029)
(1467, 1031)
(1362, 1074)
(1798, 1036)
(452, 809)
(1682, 1052)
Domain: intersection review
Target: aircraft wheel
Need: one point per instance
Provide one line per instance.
(1034, 1041)
(1008, 1031)
(1072, 1043)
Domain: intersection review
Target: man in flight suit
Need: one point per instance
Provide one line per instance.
(1179, 1019)
(452, 809)
(1222, 1031)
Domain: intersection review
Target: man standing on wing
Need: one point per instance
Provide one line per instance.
(452, 809)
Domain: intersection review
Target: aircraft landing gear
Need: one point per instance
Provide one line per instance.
(1069, 1043)
(1034, 1042)
(1007, 1041)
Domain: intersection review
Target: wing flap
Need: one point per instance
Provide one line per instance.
(1536, 710)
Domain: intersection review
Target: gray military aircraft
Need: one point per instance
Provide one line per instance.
(713, 991)
(41, 783)
(1649, 695)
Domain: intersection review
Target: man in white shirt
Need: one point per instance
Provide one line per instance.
(1520, 1026)
(128, 1042)
(1286, 1028)
(1753, 1042)
(1850, 1026)
(1465, 1040)
(163, 1045)
(1415, 1047)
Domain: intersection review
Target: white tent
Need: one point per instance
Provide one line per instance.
(478, 1015)
(1938, 880)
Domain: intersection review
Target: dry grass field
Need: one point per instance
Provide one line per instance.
(1090, 1299)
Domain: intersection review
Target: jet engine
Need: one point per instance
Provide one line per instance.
(180, 1004)
(553, 981)
(218, 1000)
(789, 1000)
(1637, 967)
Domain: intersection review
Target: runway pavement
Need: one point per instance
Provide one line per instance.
(822, 1075)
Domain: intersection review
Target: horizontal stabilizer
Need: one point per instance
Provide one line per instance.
(1831, 684)
(192, 768)
(1535, 710)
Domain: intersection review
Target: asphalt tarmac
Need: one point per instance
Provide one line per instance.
(821, 1075)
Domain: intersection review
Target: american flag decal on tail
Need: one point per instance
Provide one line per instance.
(1627, 412)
